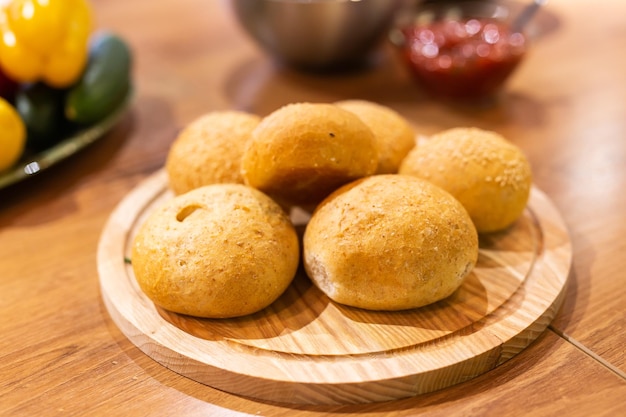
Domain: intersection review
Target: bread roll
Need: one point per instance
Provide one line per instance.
(222, 250)
(209, 150)
(389, 242)
(490, 176)
(394, 135)
(303, 151)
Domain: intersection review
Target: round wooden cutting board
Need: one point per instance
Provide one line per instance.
(307, 349)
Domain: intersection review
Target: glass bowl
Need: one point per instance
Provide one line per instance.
(460, 50)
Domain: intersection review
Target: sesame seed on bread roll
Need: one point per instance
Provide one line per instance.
(489, 175)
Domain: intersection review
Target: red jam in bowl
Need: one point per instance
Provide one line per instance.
(463, 58)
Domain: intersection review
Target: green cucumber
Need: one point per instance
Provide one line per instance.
(105, 82)
(41, 109)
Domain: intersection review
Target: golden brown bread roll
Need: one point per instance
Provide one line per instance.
(389, 242)
(222, 250)
(394, 135)
(490, 176)
(302, 152)
(209, 150)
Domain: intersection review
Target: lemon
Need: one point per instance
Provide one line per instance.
(12, 135)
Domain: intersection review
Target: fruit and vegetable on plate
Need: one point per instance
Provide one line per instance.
(57, 74)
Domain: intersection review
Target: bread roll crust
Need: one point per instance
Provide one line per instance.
(209, 150)
(489, 175)
(389, 242)
(394, 135)
(222, 250)
(303, 151)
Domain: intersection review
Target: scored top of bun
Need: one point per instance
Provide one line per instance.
(222, 250)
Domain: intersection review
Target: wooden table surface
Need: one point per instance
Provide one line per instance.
(60, 352)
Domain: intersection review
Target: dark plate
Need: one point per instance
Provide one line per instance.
(66, 147)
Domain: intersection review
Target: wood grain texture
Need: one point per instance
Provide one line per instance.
(60, 352)
(306, 349)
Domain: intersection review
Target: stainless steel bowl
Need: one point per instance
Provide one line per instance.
(317, 34)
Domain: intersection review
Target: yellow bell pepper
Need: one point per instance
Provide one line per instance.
(44, 40)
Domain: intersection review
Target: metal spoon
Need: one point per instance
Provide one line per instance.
(526, 15)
